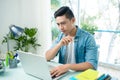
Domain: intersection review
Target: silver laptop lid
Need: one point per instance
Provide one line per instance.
(34, 65)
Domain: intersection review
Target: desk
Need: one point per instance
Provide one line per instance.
(19, 74)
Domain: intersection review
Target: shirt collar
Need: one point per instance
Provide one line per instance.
(78, 32)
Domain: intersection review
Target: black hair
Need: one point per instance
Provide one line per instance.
(64, 11)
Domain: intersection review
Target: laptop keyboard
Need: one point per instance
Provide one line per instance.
(63, 75)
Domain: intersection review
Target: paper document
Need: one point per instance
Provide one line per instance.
(89, 74)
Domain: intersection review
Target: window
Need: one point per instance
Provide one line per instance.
(105, 14)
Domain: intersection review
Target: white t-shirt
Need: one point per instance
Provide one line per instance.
(70, 55)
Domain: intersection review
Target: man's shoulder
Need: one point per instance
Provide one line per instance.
(81, 32)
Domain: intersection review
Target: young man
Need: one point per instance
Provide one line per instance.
(76, 48)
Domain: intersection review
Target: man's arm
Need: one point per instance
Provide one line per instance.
(57, 71)
(50, 54)
(80, 66)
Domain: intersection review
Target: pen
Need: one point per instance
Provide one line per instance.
(102, 77)
(108, 77)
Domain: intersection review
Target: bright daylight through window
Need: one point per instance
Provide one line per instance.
(102, 16)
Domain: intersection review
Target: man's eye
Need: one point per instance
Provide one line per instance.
(58, 24)
(63, 23)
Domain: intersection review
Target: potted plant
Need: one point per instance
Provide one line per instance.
(24, 42)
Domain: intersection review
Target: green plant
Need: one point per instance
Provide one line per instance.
(91, 28)
(87, 23)
(25, 41)
(55, 32)
(55, 4)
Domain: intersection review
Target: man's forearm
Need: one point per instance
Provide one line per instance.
(50, 54)
(80, 66)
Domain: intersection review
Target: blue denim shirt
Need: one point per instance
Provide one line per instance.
(85, 48)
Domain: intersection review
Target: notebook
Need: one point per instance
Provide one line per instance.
(36, 65)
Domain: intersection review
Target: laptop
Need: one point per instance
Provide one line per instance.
(36, 65)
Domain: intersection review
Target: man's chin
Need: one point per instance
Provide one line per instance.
(64, 33)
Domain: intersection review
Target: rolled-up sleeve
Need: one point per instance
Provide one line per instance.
(56, 41)
(91, 52)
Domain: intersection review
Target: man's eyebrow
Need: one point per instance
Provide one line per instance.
(61, 22)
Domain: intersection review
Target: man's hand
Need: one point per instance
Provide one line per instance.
(57, 71)
(66, 40)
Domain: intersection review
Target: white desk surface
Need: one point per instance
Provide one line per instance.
(19, 74)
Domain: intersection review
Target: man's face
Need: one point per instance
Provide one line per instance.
(64, 24)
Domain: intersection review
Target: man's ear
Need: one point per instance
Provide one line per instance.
(73, 20)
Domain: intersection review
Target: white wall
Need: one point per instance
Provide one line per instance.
(26, 13)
